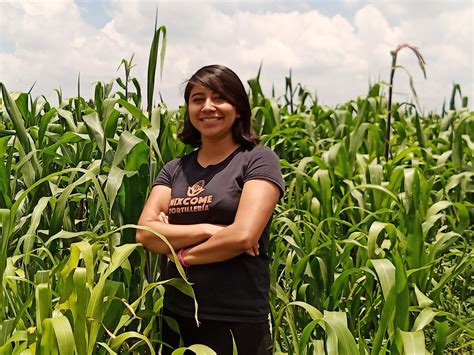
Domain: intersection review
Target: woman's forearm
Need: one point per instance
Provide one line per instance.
(178, 235)
(225, 245)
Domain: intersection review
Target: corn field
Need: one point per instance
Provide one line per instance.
(368, 255)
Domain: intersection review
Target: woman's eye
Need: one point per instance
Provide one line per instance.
(218, 99)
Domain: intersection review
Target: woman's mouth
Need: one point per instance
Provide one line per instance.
(210, 119)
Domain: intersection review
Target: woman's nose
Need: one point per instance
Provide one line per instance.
(208, 105)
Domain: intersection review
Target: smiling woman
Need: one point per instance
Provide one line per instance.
(226, 93)
(215, 206)
(211, 114)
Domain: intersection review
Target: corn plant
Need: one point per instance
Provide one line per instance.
(368, 255)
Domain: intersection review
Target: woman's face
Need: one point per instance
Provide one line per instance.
(210, 113)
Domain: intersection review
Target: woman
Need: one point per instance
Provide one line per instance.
(214, 206)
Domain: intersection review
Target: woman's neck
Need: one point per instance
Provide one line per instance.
(214, 151)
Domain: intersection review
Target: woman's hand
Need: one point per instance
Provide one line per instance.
(162, 217)
(253, 251)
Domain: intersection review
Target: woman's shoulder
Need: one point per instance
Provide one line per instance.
(263, 163)
(260, 152)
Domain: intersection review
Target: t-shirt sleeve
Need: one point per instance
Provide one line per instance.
(265, 164)
(165, 176)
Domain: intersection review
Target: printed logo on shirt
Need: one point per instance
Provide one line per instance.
(192, 203)
(196, 189)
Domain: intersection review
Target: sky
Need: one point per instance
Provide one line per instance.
(333, 48)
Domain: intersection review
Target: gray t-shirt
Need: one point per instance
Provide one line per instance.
(236, 289)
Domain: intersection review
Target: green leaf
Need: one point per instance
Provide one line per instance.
(16, 118)
(423, 301)
(337, 323)
(34, 222)
(106, 347)
(136, 112)
(424, 318)
(68, 116)
(62, 234)
(305, 335)
(357, 138)
(68, 137)
(441, 336)
(152, 63)
(96, 131)
(120, 339)
(385, 322)
(78, 304)
(114, 182)
(58, 214)
(386, 274)
(63, 334)
(438, 206)
(43, 303)
(313, 312)
(413, 342)
(374, 232)
(126, 143)
(198, 349)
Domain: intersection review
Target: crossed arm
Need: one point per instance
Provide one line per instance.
(208, 243)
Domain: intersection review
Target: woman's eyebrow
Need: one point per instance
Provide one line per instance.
(197, 94)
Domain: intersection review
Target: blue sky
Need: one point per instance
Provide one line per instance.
(334, 48)
(94, 12)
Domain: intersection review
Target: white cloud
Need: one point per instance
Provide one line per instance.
(335, 55)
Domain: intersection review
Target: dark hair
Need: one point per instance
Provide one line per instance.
(227, 84)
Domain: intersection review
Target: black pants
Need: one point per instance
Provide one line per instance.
(250, 338)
